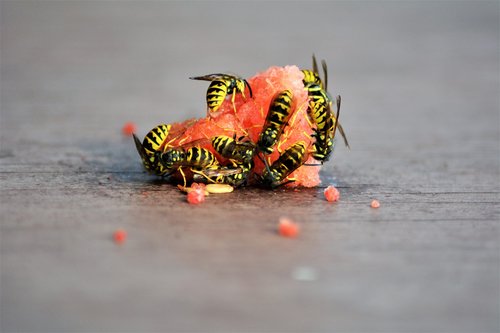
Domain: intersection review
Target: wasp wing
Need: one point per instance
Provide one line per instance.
(325, 73)
(337, 124)
(140, 148)
(213, 77)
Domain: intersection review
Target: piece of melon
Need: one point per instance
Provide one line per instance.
(249, 118)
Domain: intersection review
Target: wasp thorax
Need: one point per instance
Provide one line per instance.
(266, 143)
(172, 157)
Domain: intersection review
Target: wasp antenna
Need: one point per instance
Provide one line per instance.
(263, 160)
(337, 124)
(315, 64)
(209, 77)
(249, 88)
(325, 73)
(337, 116)
(341, 130)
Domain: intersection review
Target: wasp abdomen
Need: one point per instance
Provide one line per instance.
(155, 138)
(277, 118)
(216, 94)
(229, 148)
(311, 77)
(200, 157)
(290, 160)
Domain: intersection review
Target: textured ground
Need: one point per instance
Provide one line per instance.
(419, 83)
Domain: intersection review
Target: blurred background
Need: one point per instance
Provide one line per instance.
(131, 60)
(98, 64)
(419, 82)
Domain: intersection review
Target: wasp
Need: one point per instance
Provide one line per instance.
(241, 151)
(277, 118)
(157, 140)
(320, 112)
(241, 155)
(233, 175)
(324, 143)
(161, 159)
(290, 160)
(320, 101)
(222, 85)
(153, 143)
(319, 109)
(195, 157)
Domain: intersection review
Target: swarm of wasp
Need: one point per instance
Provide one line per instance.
(260, 153)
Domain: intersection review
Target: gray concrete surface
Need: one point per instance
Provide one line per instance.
(419, 82)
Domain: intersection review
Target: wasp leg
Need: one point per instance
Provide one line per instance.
(288, 181)
(183, 176)
(233, 98)
(203, 175)
(263, 160)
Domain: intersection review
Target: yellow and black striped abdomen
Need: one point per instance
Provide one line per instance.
(200, 158)
(155, 138)
(229, 148)
(216, 94)
(311, 77)
(290, 160)
(224, 145)
(319, 105)
(280, 111)
(323, 145)
(324, 137)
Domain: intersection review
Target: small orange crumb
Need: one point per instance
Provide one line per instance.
(331, 194)
(120, 236)
(196, 196)
(375, 204)
(129, 128)
(198, 185)
(288, 228)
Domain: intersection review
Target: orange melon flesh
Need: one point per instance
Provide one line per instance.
(249, 119)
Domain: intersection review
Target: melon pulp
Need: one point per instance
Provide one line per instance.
(249, 119)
